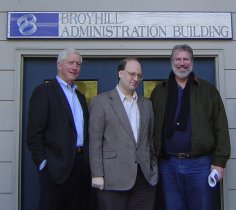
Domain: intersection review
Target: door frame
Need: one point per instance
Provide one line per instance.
(21, 53)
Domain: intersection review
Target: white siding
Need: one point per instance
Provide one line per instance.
(231, 199)
(6, 177)
(11, 70)
(6, 119)
(6, 202)
(230, 77)
(7, 152)
(7, 84)
(122, 5)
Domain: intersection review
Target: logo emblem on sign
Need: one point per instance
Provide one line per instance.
(27, 24)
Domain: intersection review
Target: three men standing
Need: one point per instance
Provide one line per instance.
(190, 135)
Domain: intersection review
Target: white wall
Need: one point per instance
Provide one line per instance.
(11, 85)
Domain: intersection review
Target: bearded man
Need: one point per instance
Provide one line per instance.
(191, 134)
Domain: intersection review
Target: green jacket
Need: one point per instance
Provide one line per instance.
(210, 134)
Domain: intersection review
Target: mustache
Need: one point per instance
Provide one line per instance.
(182, 74)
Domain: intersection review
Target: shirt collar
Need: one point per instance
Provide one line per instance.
(65, 84)
(123, 97)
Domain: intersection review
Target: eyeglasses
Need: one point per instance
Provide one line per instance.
(133, 75)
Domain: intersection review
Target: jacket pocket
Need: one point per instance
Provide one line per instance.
(109, 154)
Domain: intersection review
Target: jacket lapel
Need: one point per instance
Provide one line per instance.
(63, 100)
(120, 112)
(143, 117)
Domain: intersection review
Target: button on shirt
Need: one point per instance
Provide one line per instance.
(75, 108)
(132, 111)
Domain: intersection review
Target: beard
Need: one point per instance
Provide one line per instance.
(182, 74)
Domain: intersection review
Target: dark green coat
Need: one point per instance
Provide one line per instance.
(210, 134)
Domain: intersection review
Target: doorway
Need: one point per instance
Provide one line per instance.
(103, 71)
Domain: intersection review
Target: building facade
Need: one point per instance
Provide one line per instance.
(24, 63)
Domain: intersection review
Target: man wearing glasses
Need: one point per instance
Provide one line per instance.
(122, 159)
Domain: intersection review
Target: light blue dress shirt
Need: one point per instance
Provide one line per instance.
(77, 112)
(75, 108)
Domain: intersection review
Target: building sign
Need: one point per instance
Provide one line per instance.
(119, 25)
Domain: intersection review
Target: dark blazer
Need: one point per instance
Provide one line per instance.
(51, 132)
(114, 153)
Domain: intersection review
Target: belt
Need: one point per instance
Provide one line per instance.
(181, 155)
(79, 149)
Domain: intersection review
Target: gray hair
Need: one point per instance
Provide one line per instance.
(183, 47)
(64, 53)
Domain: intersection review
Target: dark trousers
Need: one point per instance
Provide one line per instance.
(140, 197)
(70, 195)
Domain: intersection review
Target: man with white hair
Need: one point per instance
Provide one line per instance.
(57, 137)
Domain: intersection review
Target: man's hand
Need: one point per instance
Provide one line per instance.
(98, 182)
(219, 170)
